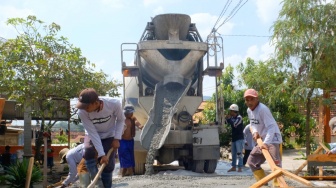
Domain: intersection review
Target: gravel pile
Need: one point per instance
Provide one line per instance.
(160, 181)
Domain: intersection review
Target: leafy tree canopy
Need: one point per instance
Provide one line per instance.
(40, 65)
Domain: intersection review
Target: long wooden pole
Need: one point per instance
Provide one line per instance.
(270, 161)
(327, 131)
(45, 176)
(29, 172)
(277, 171)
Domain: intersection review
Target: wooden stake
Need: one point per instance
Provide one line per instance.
(323, 146)
(297, 171)
(266, 179)
(45, 168)
(277, 171)
(29, 171)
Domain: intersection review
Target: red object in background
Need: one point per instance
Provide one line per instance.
(46, 134)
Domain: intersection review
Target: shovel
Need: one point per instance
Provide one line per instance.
(93, 183)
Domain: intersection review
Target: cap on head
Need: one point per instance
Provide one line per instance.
(250, 93)
(128, 109)
(86, 97)
(234, 107)
(62, 155)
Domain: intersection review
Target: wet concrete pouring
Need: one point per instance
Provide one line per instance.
(166, 97)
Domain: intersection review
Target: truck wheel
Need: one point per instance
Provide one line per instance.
(198, 166)
(139, 168)
(188, 164)
(210, 166)
(180, 162)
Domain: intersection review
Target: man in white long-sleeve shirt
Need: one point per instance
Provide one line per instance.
(103, 120)
(263, 126)
(72, 157)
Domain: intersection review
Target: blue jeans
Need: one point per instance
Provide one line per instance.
(91, 162)
(237, 152)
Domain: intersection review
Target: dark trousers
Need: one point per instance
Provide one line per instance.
(90, 153)
(246, 155)
(91, 162)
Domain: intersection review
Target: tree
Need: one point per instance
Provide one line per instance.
(39, 66)
(304, 35)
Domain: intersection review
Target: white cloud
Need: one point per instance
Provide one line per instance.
(263, 52)
(266, 51)
(268, 10)
(6, 12)
(252, 52)
(233, 60)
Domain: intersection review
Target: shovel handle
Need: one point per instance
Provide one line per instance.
(93, 183)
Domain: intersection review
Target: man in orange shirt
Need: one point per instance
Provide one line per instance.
(50, 155)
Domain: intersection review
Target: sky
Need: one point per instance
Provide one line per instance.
(99, 27)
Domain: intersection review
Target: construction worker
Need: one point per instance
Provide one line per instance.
(103, 120)
(72, 157)
(237, 144)
(126, 149)
(249, 143)
(264, 126)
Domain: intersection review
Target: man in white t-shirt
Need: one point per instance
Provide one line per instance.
(264, 126)
(103, 120)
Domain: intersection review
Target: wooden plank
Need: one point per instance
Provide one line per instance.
(297, 178)
(270, 161)
(297, 171)
(281, 180)
(322, 158)
(321, 131)
(323, 146)
(267, 178)
(319, 177)
(318, 163)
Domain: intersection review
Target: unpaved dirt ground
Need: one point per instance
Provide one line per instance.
(174, 179)
(158, 181)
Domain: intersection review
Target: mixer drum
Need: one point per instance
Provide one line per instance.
(171, 26)
(170, 58)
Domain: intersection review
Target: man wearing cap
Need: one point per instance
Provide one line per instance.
(126, 149)
(264, 126)
(72, 157)
(236, 122)
(103, 120)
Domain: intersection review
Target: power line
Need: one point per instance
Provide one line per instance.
(233, 12)
(230, 16)
(226, 6)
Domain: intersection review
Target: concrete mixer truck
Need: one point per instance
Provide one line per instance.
(164, 84)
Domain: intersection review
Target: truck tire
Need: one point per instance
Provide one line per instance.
(210, 166)
(188, 164)
(198, 166)
(139, 168)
